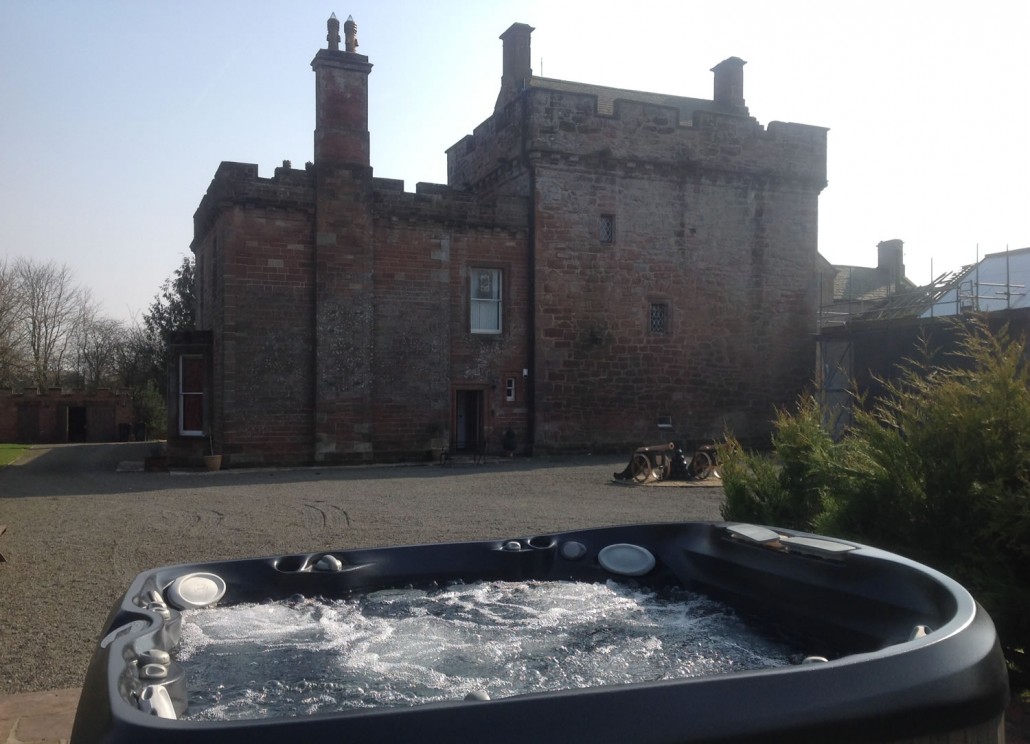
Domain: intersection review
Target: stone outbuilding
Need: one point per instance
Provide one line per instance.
(60, 416)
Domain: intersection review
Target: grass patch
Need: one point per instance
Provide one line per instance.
(11, 452)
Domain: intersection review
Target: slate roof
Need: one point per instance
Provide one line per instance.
(861, 283)
(606, 97)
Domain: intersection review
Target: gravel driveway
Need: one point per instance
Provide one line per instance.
(79, 529)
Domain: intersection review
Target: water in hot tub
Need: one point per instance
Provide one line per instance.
(414, 646)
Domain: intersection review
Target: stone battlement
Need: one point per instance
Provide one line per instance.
(674, 135)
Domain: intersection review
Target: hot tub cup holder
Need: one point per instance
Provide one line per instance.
(153, 672)
(291, 563)
(537, 542)
(528, 557)
(155, 656)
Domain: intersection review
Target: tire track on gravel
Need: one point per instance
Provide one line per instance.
(321, 515)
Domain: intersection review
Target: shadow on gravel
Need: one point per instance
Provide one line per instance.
(103, 469)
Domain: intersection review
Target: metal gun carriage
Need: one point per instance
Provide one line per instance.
(670, 461)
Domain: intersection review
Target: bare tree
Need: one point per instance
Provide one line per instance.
(12, 363)
(97, 339)
(47, 306)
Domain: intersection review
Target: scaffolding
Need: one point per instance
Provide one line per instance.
(907, 303)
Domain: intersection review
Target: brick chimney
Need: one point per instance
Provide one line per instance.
(341, 99)
(516, 70)
(729, 86)
(890, 261)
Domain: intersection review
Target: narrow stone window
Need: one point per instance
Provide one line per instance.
(485, 293)
(509, 390)
(659, 317)
(606, 228)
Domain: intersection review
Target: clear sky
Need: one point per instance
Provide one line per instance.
(114, 115)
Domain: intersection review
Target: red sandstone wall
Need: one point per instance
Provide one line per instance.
(424, 349)
(736, 273)
(255, 269)
(266, 352)
(424, 245)
(341, 327)
(715, 216)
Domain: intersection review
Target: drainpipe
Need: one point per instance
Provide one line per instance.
(530, 382)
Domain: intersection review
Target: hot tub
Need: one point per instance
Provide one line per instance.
(894, 650)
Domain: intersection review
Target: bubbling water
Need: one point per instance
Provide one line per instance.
(411, 646)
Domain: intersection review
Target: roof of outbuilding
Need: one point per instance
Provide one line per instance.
(855, 283)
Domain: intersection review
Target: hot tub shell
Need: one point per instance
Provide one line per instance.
(910, 654)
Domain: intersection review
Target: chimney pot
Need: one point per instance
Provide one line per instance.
(350, 31)
(333, 35)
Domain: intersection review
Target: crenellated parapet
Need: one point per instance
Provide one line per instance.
(239, 184)
(78, 396)
(614, 130)
(440, 205)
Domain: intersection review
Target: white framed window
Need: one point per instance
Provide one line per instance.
(509, 390)
(485, 302)
(191, 395)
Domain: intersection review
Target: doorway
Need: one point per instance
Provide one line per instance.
(77, 429)
(468, 420)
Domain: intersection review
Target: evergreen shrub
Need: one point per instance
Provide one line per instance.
(936, 469)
